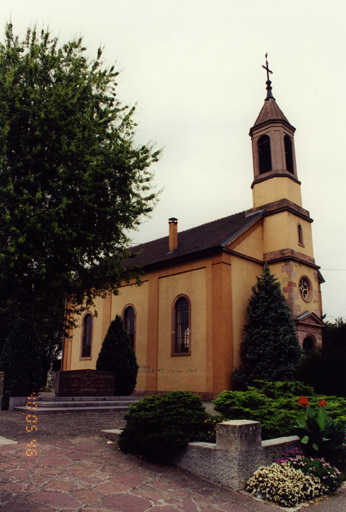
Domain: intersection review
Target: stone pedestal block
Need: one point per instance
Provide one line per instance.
(84, 383)
(238, 435)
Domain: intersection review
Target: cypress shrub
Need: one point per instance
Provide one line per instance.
(270, 349)
(117, 356)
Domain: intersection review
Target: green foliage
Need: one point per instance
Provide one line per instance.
(159, 426)
(275, 405)
(208, 434)
(116, 355)
(21, 362)
(325, 368)
(280, 389)
(270, 349)
(72, 181)
(277, 415)
(321, 435)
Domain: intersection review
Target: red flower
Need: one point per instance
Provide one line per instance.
(303, 401)
(322, 403)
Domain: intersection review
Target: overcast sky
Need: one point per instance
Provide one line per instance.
(193, 67)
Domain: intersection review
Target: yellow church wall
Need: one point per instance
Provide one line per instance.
(250, 243)
(74, 345)
(220, 335)
(137, 297)
(244, 277)
(186, 372)
(289, 273)
(280, 231)
(107, 308)
(274, 189)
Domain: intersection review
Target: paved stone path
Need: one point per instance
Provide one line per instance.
(77, 475)
(80, 474)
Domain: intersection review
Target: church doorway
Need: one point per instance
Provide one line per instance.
(309, 344)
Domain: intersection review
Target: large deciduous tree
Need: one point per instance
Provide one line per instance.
(270, 349)
(72, 181)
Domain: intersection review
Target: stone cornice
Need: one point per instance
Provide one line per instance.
(281, 206)
(289, 254)
(275, 173)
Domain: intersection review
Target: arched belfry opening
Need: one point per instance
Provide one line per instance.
(264, 154)
(288, 153)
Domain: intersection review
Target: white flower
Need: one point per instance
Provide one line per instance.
(284, 485)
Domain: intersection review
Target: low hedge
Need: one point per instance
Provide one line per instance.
(275, 405)
(159, 426)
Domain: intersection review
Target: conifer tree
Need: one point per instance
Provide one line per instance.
(270, 349)
(117, 355)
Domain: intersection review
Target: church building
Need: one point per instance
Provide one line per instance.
(186, 319)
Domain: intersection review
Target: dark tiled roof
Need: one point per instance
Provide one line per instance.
(205, 238)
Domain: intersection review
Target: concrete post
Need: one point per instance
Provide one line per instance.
(238, 435)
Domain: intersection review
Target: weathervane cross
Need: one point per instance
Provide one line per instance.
(269, 87)
(266, 67)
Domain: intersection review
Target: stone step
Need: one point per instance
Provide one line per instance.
(86, 398)
(55, 410)
(82, 403)
(57, 404)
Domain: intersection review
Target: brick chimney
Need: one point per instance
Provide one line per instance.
(173, 234)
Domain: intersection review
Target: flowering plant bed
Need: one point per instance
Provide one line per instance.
(320, 434)
(285, 485)
(294, 478)
(329, 475)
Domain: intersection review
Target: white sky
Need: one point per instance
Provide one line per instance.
(194, 69)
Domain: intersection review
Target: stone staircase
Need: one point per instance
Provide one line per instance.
(57, 404)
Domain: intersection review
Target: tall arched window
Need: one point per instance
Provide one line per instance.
(87, 335)
(129, 323)
(264, 154)
(300, 235)
(288, 153)
(181, 322)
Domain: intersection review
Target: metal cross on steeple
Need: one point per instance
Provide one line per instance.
(268, 82)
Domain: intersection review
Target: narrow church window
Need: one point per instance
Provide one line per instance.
(300, 235)
(129, 323)
(87, 335)
(182, 333)
(288, 153)
(264, 154)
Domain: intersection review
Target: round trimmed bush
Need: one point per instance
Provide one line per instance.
(160, 425)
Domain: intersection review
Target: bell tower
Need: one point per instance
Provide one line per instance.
(274, 163)
(286, 226)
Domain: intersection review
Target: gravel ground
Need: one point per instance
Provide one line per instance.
(62, 425)
(50, 426)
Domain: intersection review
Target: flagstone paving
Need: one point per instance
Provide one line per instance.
(91, 475)
(77, 474)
